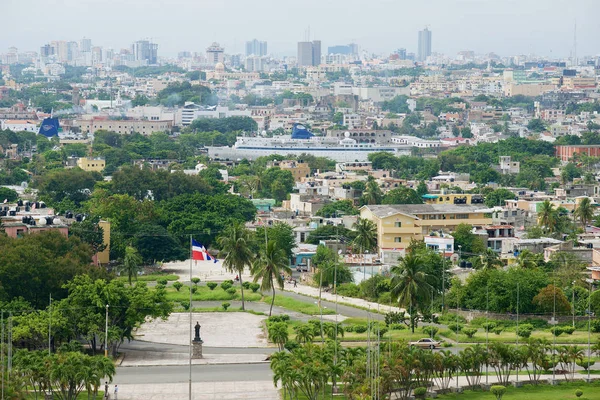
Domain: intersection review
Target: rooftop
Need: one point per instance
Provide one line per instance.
(413, 210)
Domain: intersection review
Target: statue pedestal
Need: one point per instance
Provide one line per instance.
(196, 349)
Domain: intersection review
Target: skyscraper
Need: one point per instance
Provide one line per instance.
(85, 45)
(309, 53)
(424, 44)
(144, 50)
(256, 47)
(215, 54)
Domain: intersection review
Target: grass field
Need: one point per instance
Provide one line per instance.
(203, 293)
(298, 306)
(563, 391)
(150, 277)
(509, 336)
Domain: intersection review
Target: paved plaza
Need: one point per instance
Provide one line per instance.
(260, 390)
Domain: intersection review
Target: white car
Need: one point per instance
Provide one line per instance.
(426, 343)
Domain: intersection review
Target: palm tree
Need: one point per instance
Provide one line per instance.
(547, 216)
(527, 259)
(366, 235)
(411, 284)
(269, 269)
(235, 243)
(490, 260)
(278, 333)
(131, 263)
(373, 194)
(585, 211)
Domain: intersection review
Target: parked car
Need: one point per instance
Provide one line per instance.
(426, 343)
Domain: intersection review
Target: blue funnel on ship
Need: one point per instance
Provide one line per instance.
(49, 127)
(299, 131)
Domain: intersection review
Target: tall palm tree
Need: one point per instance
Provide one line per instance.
(411, 284)
(490, 260)
(366, 235)
(269, 269)
(585, 211)
(373, 194)
(235, 242)
(547, 216)
(527, 259)
(131, 262)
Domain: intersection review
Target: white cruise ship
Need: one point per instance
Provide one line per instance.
(301, 141)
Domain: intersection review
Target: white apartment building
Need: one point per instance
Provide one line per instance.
(191, 111)
(19, 125)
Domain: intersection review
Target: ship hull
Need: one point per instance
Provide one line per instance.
(337, 154)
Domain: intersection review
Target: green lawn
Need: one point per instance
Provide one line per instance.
(297, 305)
(563, 391)
(150, 277)
(509, 336)
(82, 396)
(203, 293)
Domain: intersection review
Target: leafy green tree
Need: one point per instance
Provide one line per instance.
(129, 307)
(470, 243)
(281, 233)
(545, 300)
(536, 125)
(8, 194)
(402, 195)
(547, 216)
(269, 268)
(372, 194)
(498, 197)
(35, 266)
(89, 232)
(73, 184)
(411, 285)
(330, 232)
(155, 243)
(235, 242)
(329, 268)
(422, 189)
(338, 208)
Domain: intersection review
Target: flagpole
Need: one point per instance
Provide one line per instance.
(190, 343)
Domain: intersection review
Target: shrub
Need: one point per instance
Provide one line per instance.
(525, 330)
(382, 331)
(185, 305)
(585, 364)
(246, 285)
(349, 328)
(194, 289)
(498, 330)
(291, 345)
(394, 318)
(284, 317)
(348, 290)
(456, 328)
(225, 306)
(162, 281)
(420, 392)
(447, 344)
(385, 298)
(579, 393)
(230, 281)
(557, 330)
(537, 323)
(430, 330)
(360, 328)
(397, 327)
(254, 287)
(177, 285)
(159, 286)
(595, 326)
(470, 332)
(212, 285)
(488, 326)
(498, 391)
(226, 285)
(568, 330)
(449, 318)
(231, 291)
(195, 280)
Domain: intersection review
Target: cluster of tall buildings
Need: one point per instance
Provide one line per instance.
(309, 53)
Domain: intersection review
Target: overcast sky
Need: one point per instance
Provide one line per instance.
(506, 27)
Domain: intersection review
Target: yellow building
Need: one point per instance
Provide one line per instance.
(453, 198)
(96, 164)
(103, 257)
(398, 224)
(298, 169)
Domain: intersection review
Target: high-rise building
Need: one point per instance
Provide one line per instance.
(85, 45)
(350, 49)
(144, 50)
(309, 53)
(256, 48)
(401, 53)
(424, 44)
(215, 54)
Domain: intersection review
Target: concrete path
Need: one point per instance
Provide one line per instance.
(205, 270)
(218, 329)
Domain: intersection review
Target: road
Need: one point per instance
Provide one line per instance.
(140, 345)
(200, 373)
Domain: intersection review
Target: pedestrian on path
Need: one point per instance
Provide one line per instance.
(106, 392)
(116, 391)
(295, 283)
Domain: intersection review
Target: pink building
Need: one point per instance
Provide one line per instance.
(18, 229)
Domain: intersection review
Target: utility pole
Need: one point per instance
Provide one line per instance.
(50, 326)
(106, 333)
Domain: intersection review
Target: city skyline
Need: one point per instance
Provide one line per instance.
(514, 28)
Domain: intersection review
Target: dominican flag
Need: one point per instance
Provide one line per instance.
(199, 253)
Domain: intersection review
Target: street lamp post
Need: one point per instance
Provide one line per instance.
(106, 333)
(589, 328)
(573, 304)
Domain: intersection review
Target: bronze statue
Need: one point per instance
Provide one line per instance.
(197, 329)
